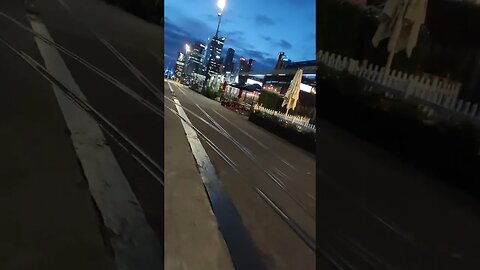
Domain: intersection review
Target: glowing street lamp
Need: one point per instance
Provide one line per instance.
(221, 5)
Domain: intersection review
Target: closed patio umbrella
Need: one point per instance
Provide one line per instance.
(400, 21)
(291, 96)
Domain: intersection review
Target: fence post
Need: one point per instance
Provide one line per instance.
(456, 89)
(338, 60)
(459, 105)
(376, 75)
(344, 63)
(467, 107)
(328, 59)
(473, 112)
(446, 101)
(382, 77)
(371, 71)
(411, 85)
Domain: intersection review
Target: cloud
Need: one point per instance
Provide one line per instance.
(177, 35)
(254, 54)
(234, 34)
(266, 65)
(284, 44)
(193, 29)
(264, 20)
(262, 60)
(235, 40)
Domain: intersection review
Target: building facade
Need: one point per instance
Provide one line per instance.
(179, 65)
(229, 60)
(279, 63)
(195, 62)
(279, 80)
(242, 64)
(213, 55)
(250, 65)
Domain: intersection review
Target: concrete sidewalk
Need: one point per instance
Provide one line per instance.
(192, 238)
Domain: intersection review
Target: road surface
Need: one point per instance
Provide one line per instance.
(373, 210)
(76, 191)
(258, 159)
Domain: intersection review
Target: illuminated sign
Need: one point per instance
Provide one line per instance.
(306, 88)
(250, 81)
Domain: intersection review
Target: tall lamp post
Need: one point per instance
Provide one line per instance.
(187, 50)
(221, 6)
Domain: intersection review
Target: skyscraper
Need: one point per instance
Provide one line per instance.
(243, 65)
(214, 52)
(229, 60)
(196, 59)
(180, 64)
(250, 65)
(280, 60)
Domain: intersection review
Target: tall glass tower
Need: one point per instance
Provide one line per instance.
(214, 52)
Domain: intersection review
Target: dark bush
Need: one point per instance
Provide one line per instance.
(210, 93)
(301, 138)
(270, 100)
(151, 10)
(397, 125)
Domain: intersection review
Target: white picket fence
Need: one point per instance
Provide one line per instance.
(303, 122)
(433, 89)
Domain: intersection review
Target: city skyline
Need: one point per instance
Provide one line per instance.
(247, 28)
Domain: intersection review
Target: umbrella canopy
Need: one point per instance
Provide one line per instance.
(401, 22)
(292, 95)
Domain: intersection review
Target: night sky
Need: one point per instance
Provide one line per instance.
(256, 29)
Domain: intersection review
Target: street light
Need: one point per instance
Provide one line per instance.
(221, 5)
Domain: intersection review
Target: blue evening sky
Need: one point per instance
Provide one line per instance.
(256, 29)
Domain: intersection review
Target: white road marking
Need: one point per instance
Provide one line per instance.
(310, 196)
(242, 131)
(135, 71)
(201, 157)
(280, 173)
(65, 5)
(204, 164)
(134, 242)
(288, 164)
(88, 65)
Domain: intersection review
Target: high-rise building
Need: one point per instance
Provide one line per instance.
(196, 59)
(221, 66)
(214, 52)
(286, 62)
(250, 65)
(229, 60)
(179, 65)
(280, 60)
(242, 65)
